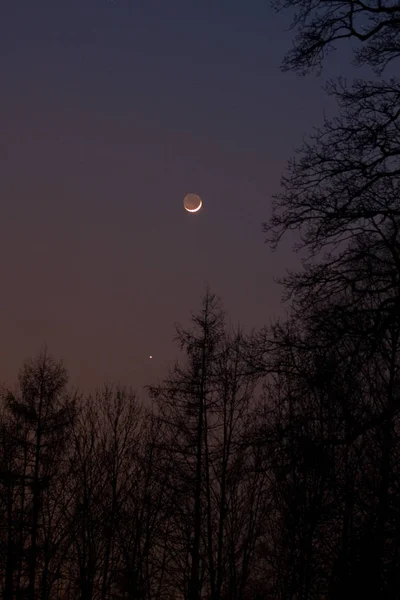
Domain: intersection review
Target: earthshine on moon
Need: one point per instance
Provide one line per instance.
(192, 203)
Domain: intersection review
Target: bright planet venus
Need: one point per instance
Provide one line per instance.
(192, 203)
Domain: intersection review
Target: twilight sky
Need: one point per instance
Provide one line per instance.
(110, 112)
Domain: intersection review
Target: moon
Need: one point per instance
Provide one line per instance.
(192, 203)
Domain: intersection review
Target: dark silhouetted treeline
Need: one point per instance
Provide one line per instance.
(102, 497)
(265, 466)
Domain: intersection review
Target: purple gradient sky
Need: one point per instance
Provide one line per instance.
(110, 113)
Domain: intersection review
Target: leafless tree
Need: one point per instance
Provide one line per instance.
(372, 26)
(120, 419)
(182, 401)
(41, 415)
(331, 433)
(218, 488)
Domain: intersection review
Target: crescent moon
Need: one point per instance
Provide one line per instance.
(192, 210)
(192, 203)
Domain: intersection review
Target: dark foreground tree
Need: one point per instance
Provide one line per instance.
(217, 489)
(342, 195)
(330, 430)
(341, 192)
(39, 419)
(372, 27)
(183, 402)
(333, 395)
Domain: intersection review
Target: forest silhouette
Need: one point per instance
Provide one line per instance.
(266, 465)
